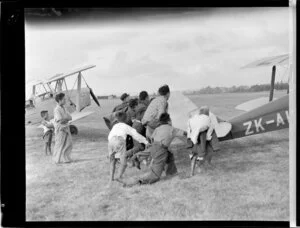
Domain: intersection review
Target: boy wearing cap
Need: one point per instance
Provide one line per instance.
(157, 106)
(117, 144)
(161, 139)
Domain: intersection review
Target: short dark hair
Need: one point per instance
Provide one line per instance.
(124, 95)
(164, 118)
(43, 113)
(59, 97)
(163, 90)
(204, 110)
(121, 116)
(133, 103)
(143, 95)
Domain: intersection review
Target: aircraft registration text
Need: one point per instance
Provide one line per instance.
(267, 123)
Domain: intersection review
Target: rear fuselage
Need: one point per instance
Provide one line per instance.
(269, 117)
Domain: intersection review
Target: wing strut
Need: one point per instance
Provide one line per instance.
(272, 83)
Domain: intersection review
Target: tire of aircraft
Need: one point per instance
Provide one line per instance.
(73, 130)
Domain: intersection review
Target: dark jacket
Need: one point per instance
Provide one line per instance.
(140, 109)
(121, 107)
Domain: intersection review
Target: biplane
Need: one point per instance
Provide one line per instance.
(43, 94)
(262, 115)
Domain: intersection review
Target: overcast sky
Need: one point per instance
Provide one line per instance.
(187, 50)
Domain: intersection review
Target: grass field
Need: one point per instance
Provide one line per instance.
(250, 180)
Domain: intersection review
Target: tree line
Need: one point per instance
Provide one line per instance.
(240, 89)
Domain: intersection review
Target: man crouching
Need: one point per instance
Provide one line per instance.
(203, 138)
(117, 144)
(162, 158)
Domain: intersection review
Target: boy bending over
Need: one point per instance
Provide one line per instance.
(117, 144)
(204, 139)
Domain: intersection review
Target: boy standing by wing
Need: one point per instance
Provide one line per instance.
(48, 131)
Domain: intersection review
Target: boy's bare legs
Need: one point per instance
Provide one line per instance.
(49, 148)
(208, 156)
(123, 165)
(193, 164)
(49, 144)
(113, 162)
(46, 148)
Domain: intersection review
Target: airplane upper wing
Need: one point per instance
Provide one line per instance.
(270, 61)
(60, 76)
(34, 82)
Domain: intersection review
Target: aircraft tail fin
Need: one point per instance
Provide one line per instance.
(181, 108)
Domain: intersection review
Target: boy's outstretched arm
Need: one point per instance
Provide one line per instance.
(135, 135)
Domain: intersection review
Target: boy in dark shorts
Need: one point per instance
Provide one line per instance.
(48, 131)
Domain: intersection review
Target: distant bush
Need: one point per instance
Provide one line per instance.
(240, 89)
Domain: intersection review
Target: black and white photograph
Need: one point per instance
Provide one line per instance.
(158, 114)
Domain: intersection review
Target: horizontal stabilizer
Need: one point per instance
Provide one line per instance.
(222, 129)
(252, 104)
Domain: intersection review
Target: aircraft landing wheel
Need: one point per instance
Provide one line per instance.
(73, 130)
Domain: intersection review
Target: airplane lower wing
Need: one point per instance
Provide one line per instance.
(79, 115)
(75, 116)
(252, 104)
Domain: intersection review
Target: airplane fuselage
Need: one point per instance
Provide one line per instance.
(269, 117)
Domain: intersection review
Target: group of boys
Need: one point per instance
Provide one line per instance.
(142, 129)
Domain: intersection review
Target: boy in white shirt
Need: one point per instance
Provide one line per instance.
(48, 131)
(117, 144)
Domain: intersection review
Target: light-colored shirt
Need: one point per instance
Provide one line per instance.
(45, 128)
(196, 124)
(60, 113)
(165, 134)
(158, 106)
(122, 130)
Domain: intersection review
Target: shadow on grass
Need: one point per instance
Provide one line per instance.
(82, 160)
(233, 163)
